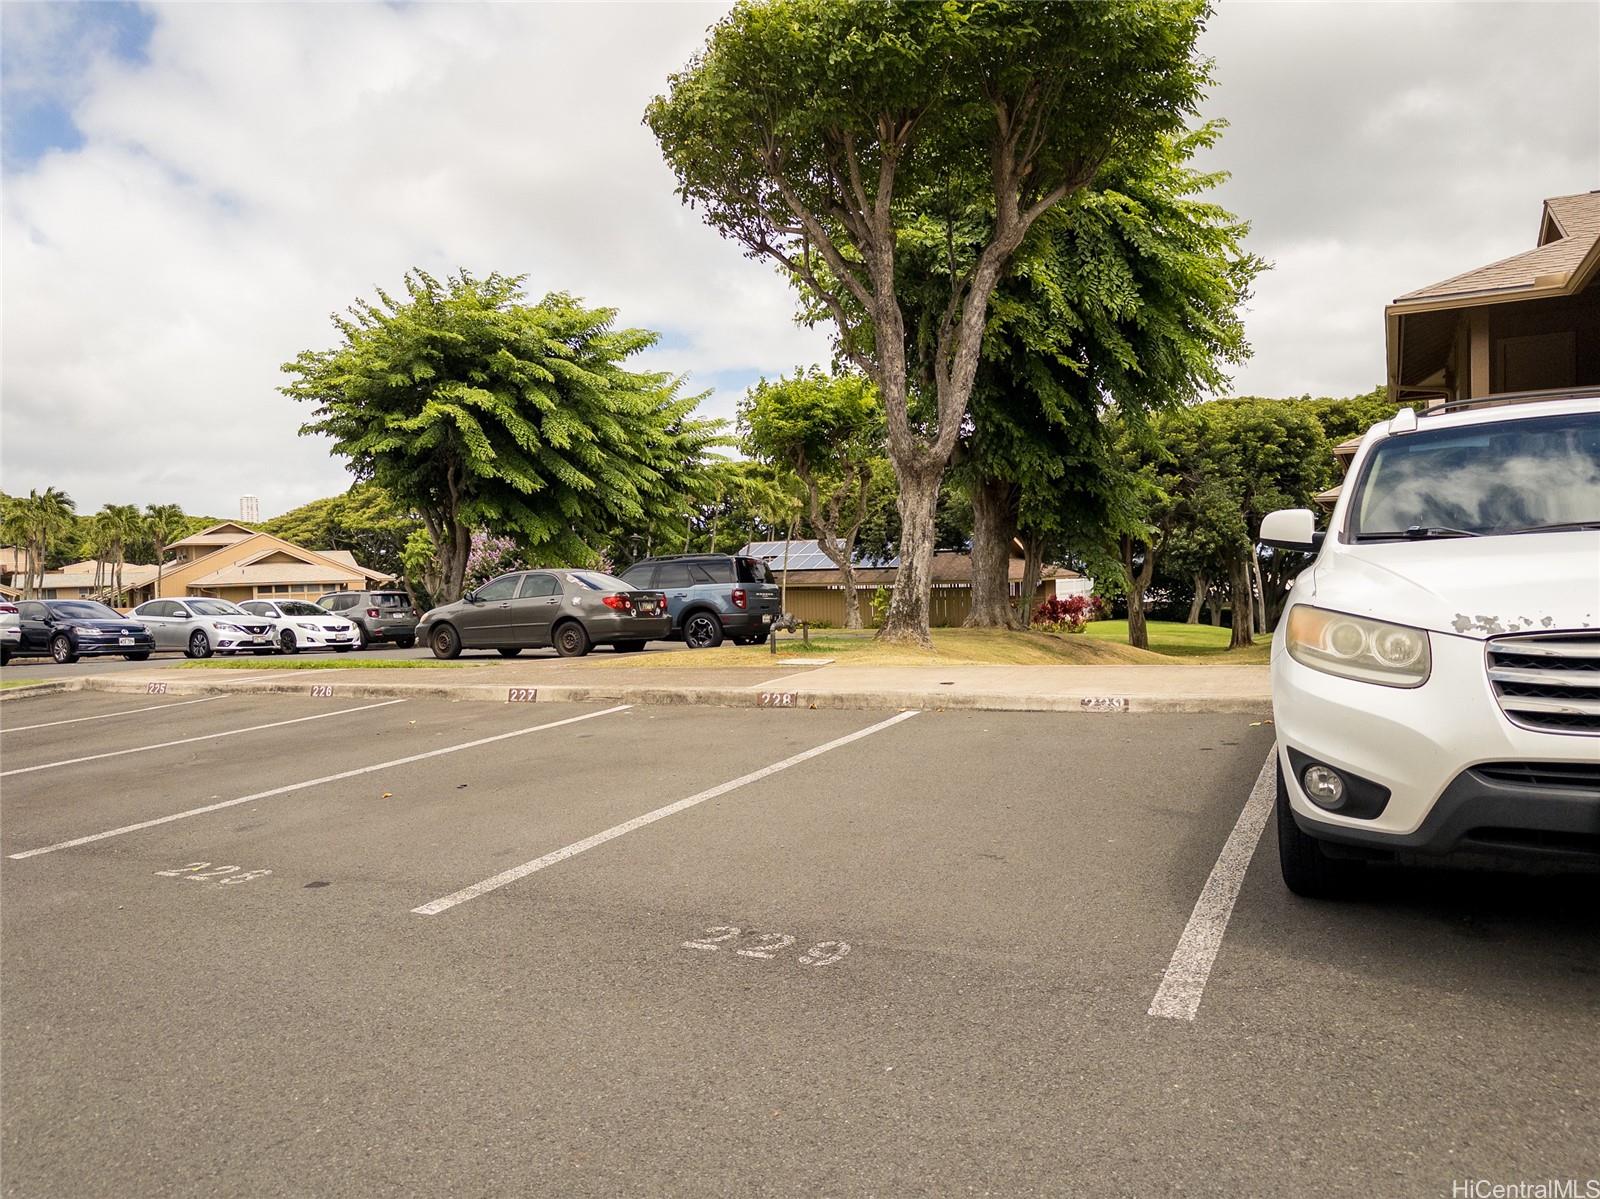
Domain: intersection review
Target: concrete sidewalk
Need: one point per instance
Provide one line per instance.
(1084, 689)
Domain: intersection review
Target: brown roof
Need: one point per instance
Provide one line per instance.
(1569, 234)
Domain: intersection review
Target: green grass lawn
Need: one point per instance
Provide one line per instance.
(1177, 640)
(8, 684)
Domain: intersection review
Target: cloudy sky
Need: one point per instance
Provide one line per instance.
(191, 189)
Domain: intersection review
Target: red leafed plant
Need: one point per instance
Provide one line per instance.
(1068, 615)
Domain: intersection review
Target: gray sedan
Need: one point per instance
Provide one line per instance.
(201, 627)
(570, 610)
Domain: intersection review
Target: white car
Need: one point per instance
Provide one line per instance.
(1436, 674)
(10, 631)
(300, 625)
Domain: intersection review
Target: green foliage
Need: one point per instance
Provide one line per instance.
(478, 410)
(43, 524)
(365, 520)
(832, 136)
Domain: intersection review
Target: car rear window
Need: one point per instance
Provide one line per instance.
(752, 571)
(596, 581)
(392, 599)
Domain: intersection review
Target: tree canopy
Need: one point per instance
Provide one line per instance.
(822, 134)
(478, 410)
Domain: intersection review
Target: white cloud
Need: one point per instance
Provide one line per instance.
(271, 163)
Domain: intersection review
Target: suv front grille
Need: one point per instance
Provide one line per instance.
(1567, 776)
(1548, 681)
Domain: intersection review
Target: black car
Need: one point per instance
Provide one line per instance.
(712, 596)
(67, 629)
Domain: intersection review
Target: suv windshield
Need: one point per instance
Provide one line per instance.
(1541, 474)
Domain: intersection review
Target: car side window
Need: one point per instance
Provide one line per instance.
(710, 572)
(502, 588)
(673, 574)
(31, 611)
(638, 576)
(539, 584)
(174, 608)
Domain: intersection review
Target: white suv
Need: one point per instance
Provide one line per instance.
(1436, 674)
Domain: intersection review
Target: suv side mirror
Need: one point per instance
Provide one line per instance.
(1291, 529)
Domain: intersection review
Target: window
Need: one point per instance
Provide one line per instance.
(258, 608)
(214, 607)
(392, 599)
(300, 608)
(539, 584)
(596, 581)
(638, 576)
(502, 588)
(32, 611)
(752, 571)
(84, 610)
(673, 574)
(1495, 477)
(338, 601)
(711, 572)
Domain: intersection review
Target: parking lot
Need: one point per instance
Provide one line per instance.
(278, 945)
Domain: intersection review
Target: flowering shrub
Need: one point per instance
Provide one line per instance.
(1066, 615)
(492, 556)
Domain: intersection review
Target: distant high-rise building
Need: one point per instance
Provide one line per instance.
(249, 507)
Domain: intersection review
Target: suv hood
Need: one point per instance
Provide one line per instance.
(1472, 586)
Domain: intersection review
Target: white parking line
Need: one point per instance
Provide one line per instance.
(139, 749)
(327, 778)
(560, 855)
(50, 724)
(1184, 984)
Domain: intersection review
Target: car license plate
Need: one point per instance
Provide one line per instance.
(766, 619)
(124, 640)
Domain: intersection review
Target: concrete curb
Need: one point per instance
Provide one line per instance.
(42, 687)
(724, 696)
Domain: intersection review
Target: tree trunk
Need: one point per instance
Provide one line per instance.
(907, 619)
(1199, 598)
(1260, 594)
(1214, 605)
(1137, 581)
(994, 525)
(1032, 567)
(1239, 583)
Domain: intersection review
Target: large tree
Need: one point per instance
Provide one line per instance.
(821, 133)
(1124, 298)
(38, 522)
(478, 410)
(827, 430)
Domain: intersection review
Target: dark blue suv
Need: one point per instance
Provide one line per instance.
(711, 596)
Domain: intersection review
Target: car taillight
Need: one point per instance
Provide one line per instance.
(372, 612)
(618, 602)
(415, 614)
(739, 597)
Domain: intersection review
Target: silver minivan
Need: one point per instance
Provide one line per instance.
(201, 626)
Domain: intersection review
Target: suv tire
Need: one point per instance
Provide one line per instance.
(702, 630)
(1308, 871)
(61, 650)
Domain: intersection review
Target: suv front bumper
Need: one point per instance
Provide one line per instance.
(1447, 754)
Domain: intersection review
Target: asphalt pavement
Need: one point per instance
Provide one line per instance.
(281, 945)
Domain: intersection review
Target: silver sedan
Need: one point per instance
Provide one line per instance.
(201, 627)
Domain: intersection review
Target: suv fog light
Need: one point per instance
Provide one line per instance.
(1323, 786)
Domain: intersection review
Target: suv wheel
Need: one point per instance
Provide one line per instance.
(702, 631)
(61, 649)
(444, 642)
(362, 640)
(199, 645)
(1307, 868)
(571, 640)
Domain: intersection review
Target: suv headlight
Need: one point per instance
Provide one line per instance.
(1354, 647)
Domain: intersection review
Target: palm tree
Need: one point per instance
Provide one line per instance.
(162, 522)
(44, 517)
(123, 524)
